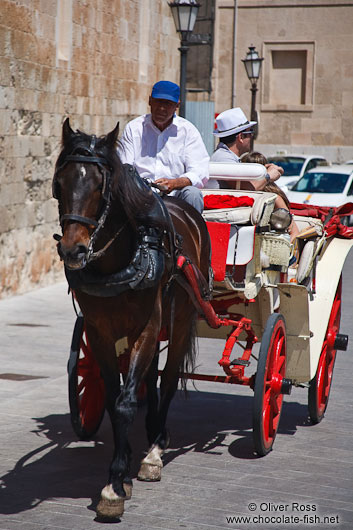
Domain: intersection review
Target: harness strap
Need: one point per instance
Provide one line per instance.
(88, 159)
(78, 218)
(100, 161)
(144, 271)
(99, 253)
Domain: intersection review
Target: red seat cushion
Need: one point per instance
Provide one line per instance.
(212, 202)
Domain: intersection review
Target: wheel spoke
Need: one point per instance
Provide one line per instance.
(85, 349)
(81, 386)
(274, 407)
(83, 401)
(281, 364)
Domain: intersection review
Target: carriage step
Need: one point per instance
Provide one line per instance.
(341, 342)
(240, 362)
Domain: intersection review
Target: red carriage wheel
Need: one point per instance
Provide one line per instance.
(86, 386)
(270, 384)
(320, 386)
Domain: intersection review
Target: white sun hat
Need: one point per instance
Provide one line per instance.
(231, 121)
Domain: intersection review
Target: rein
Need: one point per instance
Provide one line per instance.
(99, 253)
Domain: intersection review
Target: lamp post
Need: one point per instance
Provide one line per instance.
(253, 63)
(184, 14)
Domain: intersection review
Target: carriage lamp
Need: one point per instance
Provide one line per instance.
(253, 63)
(184, 14)
(280, 219)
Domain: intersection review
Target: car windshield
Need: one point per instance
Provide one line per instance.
(317, 182)
(292, 165)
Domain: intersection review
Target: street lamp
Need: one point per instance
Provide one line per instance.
(253, 63)
(184, 14)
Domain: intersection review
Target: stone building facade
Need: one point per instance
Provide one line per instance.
(305, 96)
(96, 60)
(91, 60)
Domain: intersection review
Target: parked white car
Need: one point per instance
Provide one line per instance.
(295, 166)
(325, 186)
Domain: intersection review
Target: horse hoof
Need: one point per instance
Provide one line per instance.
(149, 473)
(110, 506)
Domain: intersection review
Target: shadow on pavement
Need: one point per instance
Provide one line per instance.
(67, 468)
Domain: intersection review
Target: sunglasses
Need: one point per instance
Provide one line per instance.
(251, 131)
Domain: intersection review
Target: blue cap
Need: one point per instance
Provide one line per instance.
(166, 90)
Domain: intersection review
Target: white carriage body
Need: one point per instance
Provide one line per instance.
(306, 310)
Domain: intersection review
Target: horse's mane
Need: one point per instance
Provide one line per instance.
(128, 189)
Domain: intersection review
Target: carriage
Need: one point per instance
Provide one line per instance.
(265, 290)
(140, 270)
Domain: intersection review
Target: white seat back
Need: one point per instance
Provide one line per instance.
(257, 214)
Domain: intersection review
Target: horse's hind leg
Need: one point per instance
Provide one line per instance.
(152, 421)
(182, 344)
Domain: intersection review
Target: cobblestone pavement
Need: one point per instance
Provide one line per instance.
(52, 481)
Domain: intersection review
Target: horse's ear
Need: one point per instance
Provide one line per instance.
(67, 131)
(112, 137)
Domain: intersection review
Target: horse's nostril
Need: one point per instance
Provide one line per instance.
(81, 250)
(75, 253)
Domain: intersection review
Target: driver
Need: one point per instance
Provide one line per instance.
(166, 148)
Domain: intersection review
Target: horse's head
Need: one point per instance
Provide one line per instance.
(82, 184)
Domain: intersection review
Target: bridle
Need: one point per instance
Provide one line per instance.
(90, 157)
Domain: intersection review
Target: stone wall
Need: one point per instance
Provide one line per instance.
(92, 60)
(324, 125)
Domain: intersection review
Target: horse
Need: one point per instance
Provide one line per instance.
(119, 245)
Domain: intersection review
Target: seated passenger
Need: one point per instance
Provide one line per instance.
(166, 148)
(235, 132)
(282, 200)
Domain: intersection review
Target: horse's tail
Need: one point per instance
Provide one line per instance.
(189, 360)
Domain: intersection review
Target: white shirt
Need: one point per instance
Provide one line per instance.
(178, 151)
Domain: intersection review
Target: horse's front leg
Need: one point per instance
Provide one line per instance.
(103, 347)
(122, 413)
(121, 409)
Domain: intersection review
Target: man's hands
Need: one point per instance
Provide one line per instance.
(274, 171)
(168, 185)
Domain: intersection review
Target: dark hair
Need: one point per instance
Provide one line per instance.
(258, 158)
(228, 140)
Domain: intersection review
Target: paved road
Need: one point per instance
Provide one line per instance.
(52, 481)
